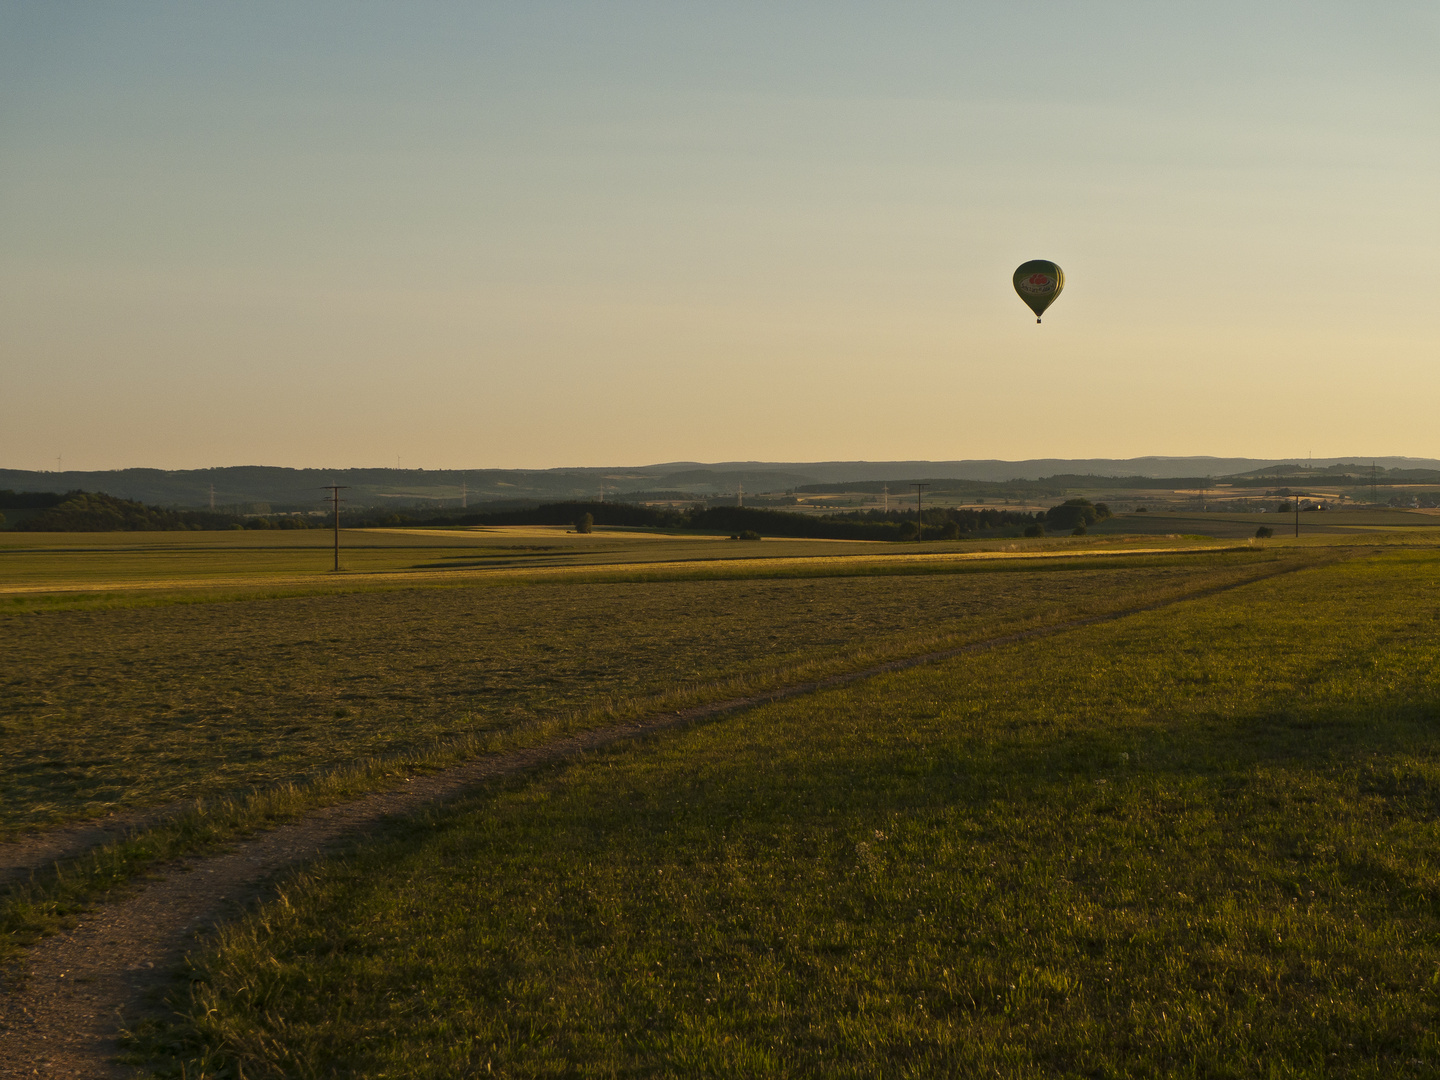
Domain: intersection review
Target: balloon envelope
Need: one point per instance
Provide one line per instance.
(1039, 282)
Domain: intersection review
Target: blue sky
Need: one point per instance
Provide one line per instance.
(544, 234)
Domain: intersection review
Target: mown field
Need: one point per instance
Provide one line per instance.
(1196, 841)
(185, 695)
(66, 571)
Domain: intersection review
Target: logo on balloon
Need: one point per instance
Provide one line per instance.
(1037, 283)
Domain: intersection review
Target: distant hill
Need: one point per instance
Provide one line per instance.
(251, 489)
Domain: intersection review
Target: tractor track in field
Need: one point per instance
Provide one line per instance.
(80, 987)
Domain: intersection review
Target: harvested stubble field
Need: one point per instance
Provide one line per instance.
(1193, 841)
(1198, 841)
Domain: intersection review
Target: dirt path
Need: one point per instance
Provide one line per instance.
(84, 985)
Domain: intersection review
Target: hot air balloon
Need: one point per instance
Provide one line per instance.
(1039, 282)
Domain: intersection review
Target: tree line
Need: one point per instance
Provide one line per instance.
(82, 511)
(937, 523)
(94, 511)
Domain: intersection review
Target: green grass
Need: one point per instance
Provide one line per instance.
(1195, 842)
(121, 708)
(261, 709)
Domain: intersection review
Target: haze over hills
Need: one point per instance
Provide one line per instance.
(302, 488)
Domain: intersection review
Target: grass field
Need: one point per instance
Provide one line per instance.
(67, 571)
(133, 706)
(53, 571)
(38, 568)
(1198, 841)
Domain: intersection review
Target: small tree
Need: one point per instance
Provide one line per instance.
(1263, 531)
(1034, 530)
(585, 523)
(1072, 513)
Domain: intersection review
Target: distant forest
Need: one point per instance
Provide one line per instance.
(89, 511)
(1060, 483)
(81, 511)
(939, 523)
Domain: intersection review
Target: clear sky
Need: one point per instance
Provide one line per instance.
(534, 234)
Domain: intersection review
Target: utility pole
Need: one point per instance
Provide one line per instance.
(885, 491)
(919, 508)
(1297, 517)
(739, 493)
(1373, 497)
(335, 490)
(464, 494)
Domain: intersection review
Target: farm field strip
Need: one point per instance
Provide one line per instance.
(773, 564)
(1196, 841)
(152, 927)
(1416, 525)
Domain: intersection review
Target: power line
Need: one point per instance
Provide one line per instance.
(919, 508)
(335, 490)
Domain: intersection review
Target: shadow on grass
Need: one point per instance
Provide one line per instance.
(851, 885)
